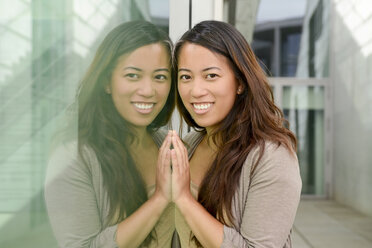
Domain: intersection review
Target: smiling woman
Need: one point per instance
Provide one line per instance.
(111, 186)
(139, 87)
(239, 185)
(206, 84)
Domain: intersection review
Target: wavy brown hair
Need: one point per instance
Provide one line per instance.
(253, 119)
(101, 127)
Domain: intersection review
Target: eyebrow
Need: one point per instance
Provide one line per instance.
(132, 68)
(210, 68)
(138, 69)
(162, 69)
(206, 69)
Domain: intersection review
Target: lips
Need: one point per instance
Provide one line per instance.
(143, 107)
(202, 107)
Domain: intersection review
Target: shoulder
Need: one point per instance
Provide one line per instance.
(66, 162)
(267, 197)
(277, 164)
(274, 154)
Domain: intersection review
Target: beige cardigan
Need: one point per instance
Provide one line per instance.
(264, 211)
(77, 202)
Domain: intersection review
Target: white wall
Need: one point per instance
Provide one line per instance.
(351, 72)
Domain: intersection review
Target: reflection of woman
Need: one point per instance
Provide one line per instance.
(102, 190)
(242, 164)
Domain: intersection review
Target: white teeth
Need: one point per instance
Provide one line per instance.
(202, 106)
(143, 105)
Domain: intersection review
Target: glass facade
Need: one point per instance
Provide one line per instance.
(45, 47)
(304, 108)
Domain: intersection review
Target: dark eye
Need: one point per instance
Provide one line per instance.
(161, 77)
(212, 76)
(132, 76)
(185, 77)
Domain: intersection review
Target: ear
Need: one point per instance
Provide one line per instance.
(108, 89)
(240, 89)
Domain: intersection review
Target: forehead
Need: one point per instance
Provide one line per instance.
(146, 56)
(196, 56)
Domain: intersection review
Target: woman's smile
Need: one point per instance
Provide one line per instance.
(202, 107)
(144, 107)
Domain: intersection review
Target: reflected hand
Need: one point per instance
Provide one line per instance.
(163, 170)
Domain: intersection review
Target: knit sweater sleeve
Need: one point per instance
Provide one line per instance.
(71, 199)
(268, 203)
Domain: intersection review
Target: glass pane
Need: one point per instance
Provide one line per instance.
(303, 107)
(45, 47)
(290, 37)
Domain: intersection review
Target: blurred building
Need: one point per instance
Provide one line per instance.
(333, 107)
(277, 44)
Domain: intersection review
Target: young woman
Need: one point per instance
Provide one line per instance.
(111, 186)
(240, 185)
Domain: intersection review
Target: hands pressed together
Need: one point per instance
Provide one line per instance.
(173, 185)
(173, 171)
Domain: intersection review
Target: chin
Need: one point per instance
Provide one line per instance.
(141, 123)
(204, 123)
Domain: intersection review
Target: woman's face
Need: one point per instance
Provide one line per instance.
(206, 84)
(140, 84)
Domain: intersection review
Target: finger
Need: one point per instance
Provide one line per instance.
(164, 163)
(162, 153)
(167, 161)
(175, 165)
(182, 146)
(166, 143)
(176, 146)
(180, 155)
(182, 151)
(186, 156)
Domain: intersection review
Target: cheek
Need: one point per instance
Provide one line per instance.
(163, 90)
(230, 90)
(120, 87)
(182, 91)
(231, 98)
(228, 96)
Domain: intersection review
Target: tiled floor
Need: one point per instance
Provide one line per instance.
(327, 224)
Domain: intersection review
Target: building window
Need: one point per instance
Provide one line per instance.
(290, 47)
(316, 21)
(277, 45)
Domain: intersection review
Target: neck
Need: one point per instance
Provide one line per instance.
(142, 137)
(209, 141)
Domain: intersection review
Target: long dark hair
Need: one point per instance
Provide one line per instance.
(253, 119)
(101, 127)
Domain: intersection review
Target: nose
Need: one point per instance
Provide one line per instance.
(146, 88)
(198, 88)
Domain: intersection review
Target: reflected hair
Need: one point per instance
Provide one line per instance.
(101, 127)
(253, 119)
